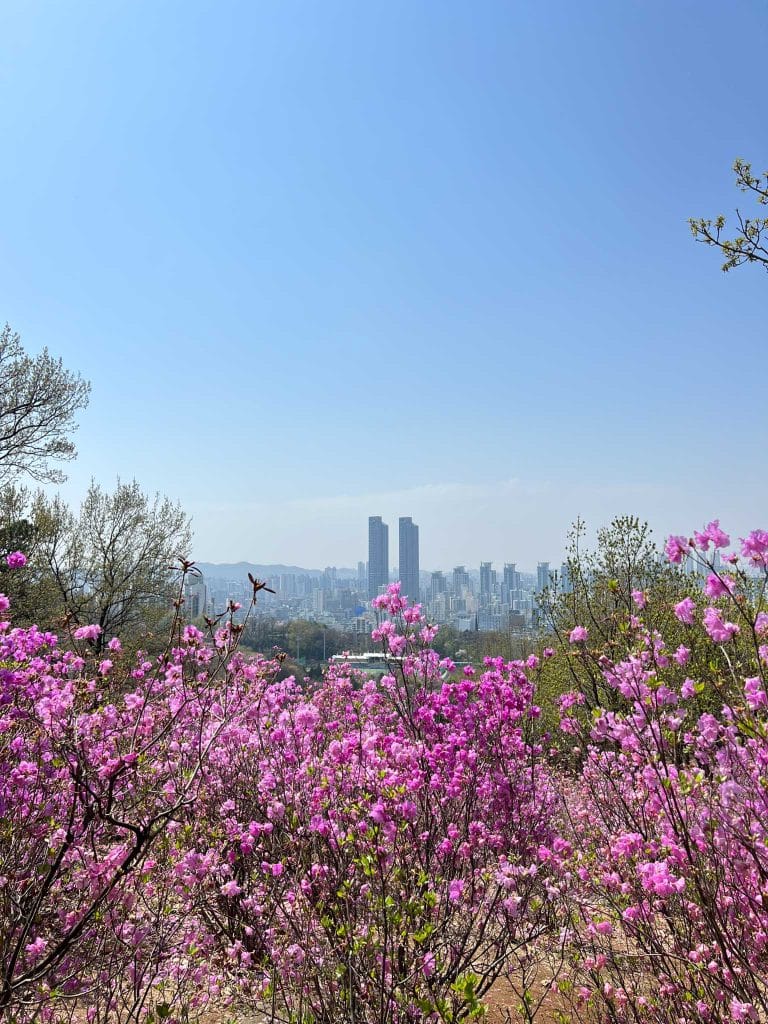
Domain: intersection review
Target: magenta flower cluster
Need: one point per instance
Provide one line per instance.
(188, 829)
(92, 780)
(191, 828)
(668, 820)
(378, 842)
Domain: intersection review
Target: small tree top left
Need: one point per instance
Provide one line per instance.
(39, 398)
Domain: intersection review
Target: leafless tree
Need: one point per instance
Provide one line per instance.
(38, 402)
(112, 563)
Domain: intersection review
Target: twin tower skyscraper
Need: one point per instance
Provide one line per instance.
(378, 556)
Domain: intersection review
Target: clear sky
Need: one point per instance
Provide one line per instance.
(322, 260)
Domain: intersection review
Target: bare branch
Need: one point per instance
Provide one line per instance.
(38, 402)
(749, 246)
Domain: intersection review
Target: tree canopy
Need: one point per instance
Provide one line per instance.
(39, 398)
(110, 563)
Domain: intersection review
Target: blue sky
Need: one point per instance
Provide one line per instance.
(326, 260)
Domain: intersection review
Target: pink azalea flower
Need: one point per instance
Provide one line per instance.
(36, 949)
(718, 586)
(754, 694)
(719, 631)
(87, 632)
(676, 549)
(712, 533)
(455, 889)
(755, 547)
(684, 611)
(688, 689)
(742, 1011)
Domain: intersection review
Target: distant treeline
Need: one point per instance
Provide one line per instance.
(311, 643)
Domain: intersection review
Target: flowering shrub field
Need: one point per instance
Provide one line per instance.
(371, 852)
(190, 831)
(668, 817)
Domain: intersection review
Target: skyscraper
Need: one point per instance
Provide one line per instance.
(511, 576)
(543, 577)
(460, 580)
(511, 585)
(378, 555)
(543, 583)
(409, 558)
(438, 585)
(485, 579)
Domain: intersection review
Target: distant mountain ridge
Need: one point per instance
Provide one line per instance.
(236, 570)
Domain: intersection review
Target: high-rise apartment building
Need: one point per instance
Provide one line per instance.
(543, 577)
(378, 555)
(511, 586)
(409, 558)
(460, 580)
(485, 579)
(511, 576)
(195, 597)
(438, 585)
(543, 582)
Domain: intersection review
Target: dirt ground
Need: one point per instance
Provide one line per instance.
(501, 1001)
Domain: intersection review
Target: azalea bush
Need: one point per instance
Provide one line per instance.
(605, 590)
(99, 761)
(376, 852)
(668, 818)
(188, 828)
(193, 828)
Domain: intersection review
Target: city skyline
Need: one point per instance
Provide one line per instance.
(381, 567)
(467, 599)
(481, 598)
(470, 524)
(360, 574)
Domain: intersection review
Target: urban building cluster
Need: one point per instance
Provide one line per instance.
(484, 599)
(466, 598)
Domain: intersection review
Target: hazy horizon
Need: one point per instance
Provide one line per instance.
(457, 523)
